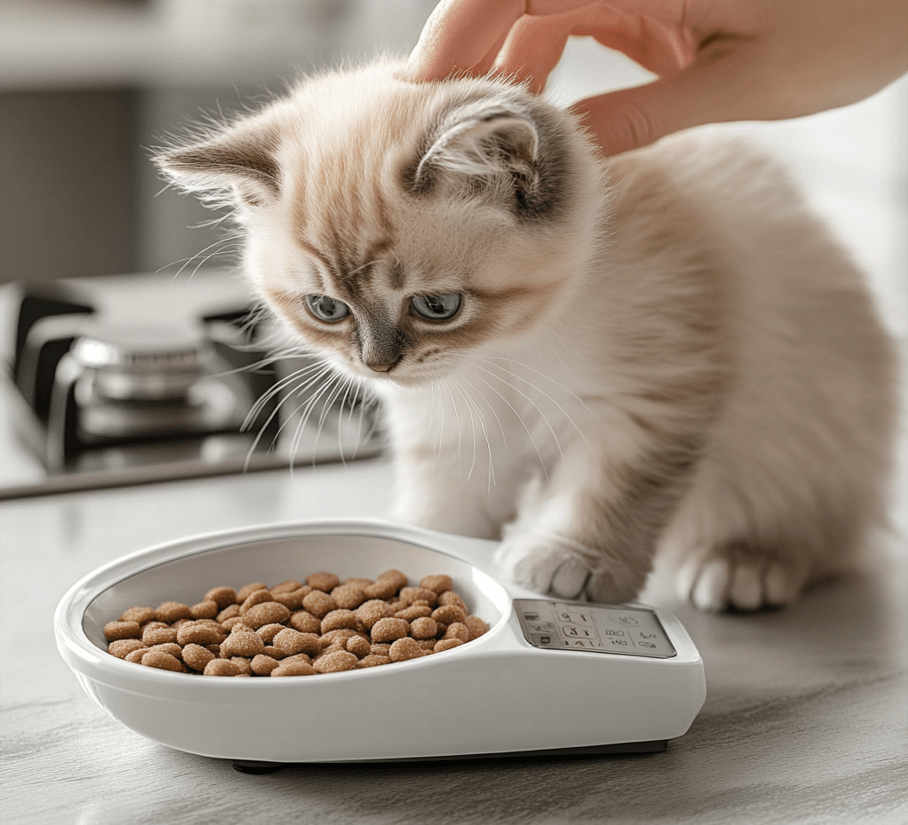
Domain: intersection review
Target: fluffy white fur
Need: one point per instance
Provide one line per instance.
(662, 351)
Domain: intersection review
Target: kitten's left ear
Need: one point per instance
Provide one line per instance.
(232, 160)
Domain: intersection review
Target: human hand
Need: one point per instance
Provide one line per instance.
(715, 61)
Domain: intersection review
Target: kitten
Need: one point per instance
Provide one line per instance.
(593, 359)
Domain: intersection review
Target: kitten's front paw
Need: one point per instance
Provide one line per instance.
(546, 565)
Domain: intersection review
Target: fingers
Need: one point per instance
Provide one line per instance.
(533, 48)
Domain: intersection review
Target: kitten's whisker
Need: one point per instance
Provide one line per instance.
(485, 432)
(187, 261)
(298, 435)
(548, 378)
(327, 407)
(457, 420)
(472, 427)
(275, 388)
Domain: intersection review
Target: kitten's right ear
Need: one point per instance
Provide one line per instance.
(229, 161)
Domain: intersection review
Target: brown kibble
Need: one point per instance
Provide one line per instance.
(272, 651)
(248, 589)
(370, 612)
(199, 634)
(157, 635)
(229, 612)
(122, 630)
(389, 630)
(172, 611)
(451, 597)
(448, 614)
(221, 596)
(269, 631)
(476, 626)
(457, 630)
(323, 581)
(136, 655)
(373, 660)
(335, 662)
(204, 610)
(196, 656)
(244, 664)
(215, 649)
(266, 613)
(294, 669)
(380, 649)
(423, 628)
(359, 646)
(254, 598)
(221, 667)
(139, 615)
(286, 587)
(348, 596)
(337, 619)
(414, 611)
(404, 649)
(339, 636)
(294, 599)
(162, 661)
(397, 605)
(121, 648)
(298, 657)
(382, 589)
(262, 665)
(319, 603)
(229, 624)
(439, 583)
(428, 645)
(414, 595)
(396, 578)
(242, 642)
(169, 647)
(446, 644)
(305, 622)
(290, 642)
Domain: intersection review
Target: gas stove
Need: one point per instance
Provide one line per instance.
(145, 377)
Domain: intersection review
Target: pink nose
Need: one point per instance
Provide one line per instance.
(381, 367)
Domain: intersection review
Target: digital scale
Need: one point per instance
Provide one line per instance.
(550, 678)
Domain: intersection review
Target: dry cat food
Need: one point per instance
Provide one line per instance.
(324, 625)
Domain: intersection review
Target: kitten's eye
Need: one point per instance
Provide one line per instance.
(436, 307)
(327, 309)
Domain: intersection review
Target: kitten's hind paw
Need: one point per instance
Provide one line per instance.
(734, 581)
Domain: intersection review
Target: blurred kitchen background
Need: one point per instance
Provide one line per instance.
(86, 87)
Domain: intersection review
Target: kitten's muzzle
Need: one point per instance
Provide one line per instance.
(380, 366)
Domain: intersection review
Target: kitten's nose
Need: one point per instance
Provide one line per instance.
(380, 366)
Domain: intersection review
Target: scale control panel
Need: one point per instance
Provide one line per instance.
(618, 629)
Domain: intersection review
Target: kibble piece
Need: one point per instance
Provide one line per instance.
(359, 646)
(428, 645)
(423, 628)
(232, 622)
(323, 581)
(291, 642)
(169, 647)
(242, 643)
(319, 603)
(244, 664)
(293, 599)
(136, 656)
(172, 611)
(476, 626)
(337, 619)
(298, 657)
(254, 598)
(397, 578)
(373, 660)
(229, 612)
(404, 649)
(294, 669)
(122, 630)
(266, 613)
(448, 614)
(269, 631)
(389, 630)
(446, 644)
(206, 609)
(273, 652)
(451, 597)
(162, 661)
(413, 595)
(221, 667)
(380, 649)
(305, 622)
(248, 589)
(262, 665)
(221, 596)
(286, 587)
(339, 636)
(439, 583)
(371, 611)
(335, 662)
(457, 630)
(382, 589)
(348, 596)
(121, 648)
(139, 615)
(157, 635)
(196, 656)
(414, 611)
(199, 634)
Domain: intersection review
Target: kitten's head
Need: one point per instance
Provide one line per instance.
(400, 226)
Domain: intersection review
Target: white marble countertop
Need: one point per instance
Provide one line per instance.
(806, 719)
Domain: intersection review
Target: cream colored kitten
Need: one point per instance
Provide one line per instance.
(595, 359)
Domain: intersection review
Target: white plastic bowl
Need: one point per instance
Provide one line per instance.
(495, 694)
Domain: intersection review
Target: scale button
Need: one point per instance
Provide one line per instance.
(545, 640)
(572, 631)
(576, 617)
(623, 618)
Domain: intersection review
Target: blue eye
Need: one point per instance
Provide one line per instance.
(436, 307)
(327, 309)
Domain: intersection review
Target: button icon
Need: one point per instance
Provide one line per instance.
(626, 620)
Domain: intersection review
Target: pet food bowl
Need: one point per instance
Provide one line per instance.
(548, 676)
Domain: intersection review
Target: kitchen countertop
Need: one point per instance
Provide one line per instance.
(805, 721)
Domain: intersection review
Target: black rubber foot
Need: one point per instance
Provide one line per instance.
(256, 768)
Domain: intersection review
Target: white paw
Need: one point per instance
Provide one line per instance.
(717, 583)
